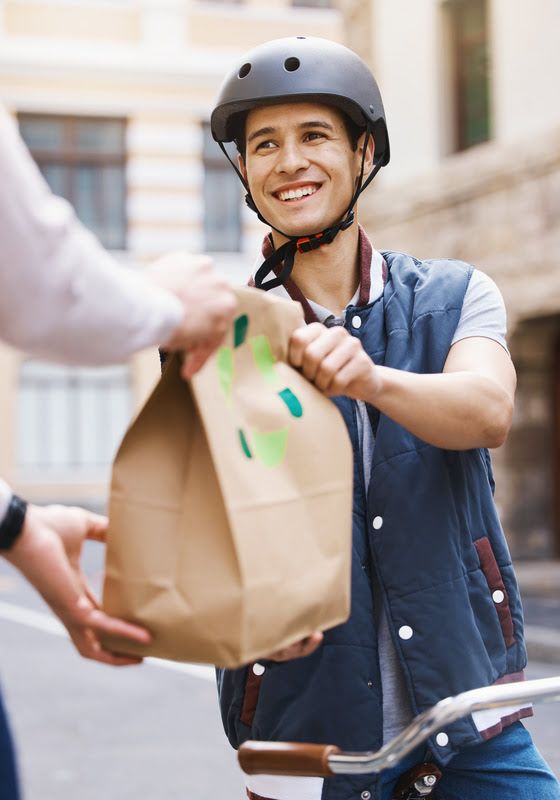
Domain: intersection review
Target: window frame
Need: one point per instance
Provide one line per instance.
(461, 46)
(70, 157)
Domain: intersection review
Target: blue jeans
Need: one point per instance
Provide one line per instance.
(507, 767)
(8, 777)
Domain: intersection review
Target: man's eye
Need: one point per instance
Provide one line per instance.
(266, 145)
(314, 135)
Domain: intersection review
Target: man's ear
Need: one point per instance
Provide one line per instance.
(370, 153)
(242, 167)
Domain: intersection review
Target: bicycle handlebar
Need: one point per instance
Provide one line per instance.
(287, 758)
(315, 760)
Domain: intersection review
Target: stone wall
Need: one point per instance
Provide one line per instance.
(498, 207)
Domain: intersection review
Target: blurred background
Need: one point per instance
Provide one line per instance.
(113, 98)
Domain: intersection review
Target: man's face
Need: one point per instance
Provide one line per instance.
(300, 165)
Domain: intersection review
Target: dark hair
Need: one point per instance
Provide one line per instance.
(353, 130)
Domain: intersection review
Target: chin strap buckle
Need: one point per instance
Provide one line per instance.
(307, 243)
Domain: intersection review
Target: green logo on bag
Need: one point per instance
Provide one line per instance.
(269, 447)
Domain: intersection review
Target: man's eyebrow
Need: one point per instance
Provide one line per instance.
(260, 132)
(268, 130)
(317, 123)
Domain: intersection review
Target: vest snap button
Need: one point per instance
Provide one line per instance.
(442, 739)
(406, 632)
(356, 322)
(365, 795)
(258, 669)
(377, 523)
(498, 596)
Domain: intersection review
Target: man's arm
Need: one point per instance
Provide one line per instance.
(470, 404)
(64, 298)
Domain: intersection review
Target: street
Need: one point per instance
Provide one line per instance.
(87, 731)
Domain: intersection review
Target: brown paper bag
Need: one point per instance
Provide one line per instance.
(231, 503)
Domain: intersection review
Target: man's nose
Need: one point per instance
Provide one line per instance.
(292, 158)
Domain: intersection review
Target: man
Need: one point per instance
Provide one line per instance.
(63, 297)
(414, 355)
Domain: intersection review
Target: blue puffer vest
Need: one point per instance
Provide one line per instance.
(436, 553)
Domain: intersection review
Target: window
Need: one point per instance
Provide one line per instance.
(313, 3)
(83, 160)
(70, 420)
(470, 47)
(222, 199)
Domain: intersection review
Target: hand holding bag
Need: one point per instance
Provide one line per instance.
(231, 503)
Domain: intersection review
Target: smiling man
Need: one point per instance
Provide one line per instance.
(414, 354)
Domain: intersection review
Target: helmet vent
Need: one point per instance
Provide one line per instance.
(291, 64)
(244, 70)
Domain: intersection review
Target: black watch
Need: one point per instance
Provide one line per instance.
(12, 524)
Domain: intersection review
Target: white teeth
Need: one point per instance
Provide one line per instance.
(295, 194)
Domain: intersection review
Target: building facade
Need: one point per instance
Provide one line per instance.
(470, 93)
(113, 97)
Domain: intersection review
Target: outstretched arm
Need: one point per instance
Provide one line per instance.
(470, 404)
(64, 298)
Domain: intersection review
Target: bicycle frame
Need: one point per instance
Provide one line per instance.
(316, 760)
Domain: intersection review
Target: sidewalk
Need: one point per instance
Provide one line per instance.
(539, 582)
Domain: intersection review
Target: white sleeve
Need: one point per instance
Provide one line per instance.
(62, 296)
(5, 497)
(483, 312)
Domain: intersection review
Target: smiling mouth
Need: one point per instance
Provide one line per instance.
(290, 195)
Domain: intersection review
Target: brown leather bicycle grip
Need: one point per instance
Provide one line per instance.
(286, 758)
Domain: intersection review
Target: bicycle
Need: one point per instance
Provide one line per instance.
(325, 761)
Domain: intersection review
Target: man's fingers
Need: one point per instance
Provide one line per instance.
(344, 379)
(332, 363)
(102, 623)
(195, 359)
(90, 647)
(97, 526)
(311, 643)
(113, 659)
(300, 649)
(301, 339)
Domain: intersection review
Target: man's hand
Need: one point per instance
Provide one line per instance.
(48, 553)
(334, 361)
(298, 650)
(209, 305)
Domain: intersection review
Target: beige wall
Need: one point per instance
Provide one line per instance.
(238, 28)
(406, 59)
(67, 21)
(526, 67)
